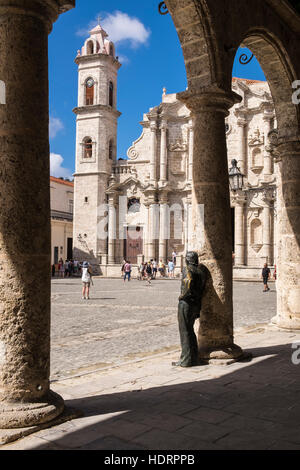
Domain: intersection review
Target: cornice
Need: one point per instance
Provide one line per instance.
(96, 107)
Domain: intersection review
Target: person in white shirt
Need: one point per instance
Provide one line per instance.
(86, 280)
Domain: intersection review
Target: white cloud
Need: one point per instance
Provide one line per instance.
(56, 168)
(121, 28)
(55, 125)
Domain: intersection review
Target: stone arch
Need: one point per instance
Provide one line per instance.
(90, 47)
(198, 41)
(280, 75)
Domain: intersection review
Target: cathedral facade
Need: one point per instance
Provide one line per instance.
(139, 208)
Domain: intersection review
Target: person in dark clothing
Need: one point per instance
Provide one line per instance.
(265, 275)
(194, 278)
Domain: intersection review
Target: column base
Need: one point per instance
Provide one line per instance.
(227, 354)
(22, 415)
(286, 322)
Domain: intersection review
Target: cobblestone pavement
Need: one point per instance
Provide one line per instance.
(124, 322)
(152, 405)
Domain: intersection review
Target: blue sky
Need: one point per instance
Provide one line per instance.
(148, 47)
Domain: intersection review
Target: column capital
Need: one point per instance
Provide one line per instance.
(239, 199)
(46, 11)
(112, 198)
(163, 197)
(153, 126)
(164, 125)
(269, 196)
(211, 99)
(268, 116)
(242, 122)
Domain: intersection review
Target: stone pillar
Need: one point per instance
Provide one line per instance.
(211, 189)
(112, 229)
(164, 229)
(240, 232)
(288, 236)
(267, 230)
(242, 149)
(153, 153)
(191, 150)
(25, 247)
(268, 118)
(153, 229)
(163, 152)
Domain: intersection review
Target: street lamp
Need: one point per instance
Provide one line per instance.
(236, 178)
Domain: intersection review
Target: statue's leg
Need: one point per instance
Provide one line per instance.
(189, 346)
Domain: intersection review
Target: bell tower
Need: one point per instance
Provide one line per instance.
(96, 142)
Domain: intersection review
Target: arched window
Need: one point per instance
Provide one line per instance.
(111, 94)
(87, 148)
(89, 91)
(111, 149)
(90, 48)
(111, 50)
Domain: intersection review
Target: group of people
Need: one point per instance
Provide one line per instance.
(68, 268)
(149, 270)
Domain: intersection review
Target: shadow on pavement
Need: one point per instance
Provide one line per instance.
(253, 406)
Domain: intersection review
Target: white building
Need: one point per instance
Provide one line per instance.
(61, 197)
(140, 208)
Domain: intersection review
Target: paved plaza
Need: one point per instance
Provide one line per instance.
(124, 322)
(112, 364)
(152, 405)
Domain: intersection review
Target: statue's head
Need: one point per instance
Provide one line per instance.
(192, 258)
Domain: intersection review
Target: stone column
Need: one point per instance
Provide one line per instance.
(191, 150)
(153, 229)
(242, 149)
(163, 152)
(288, 235)
(267, 229)
(153, 153)
(112, 229)
(268, 118)
(164, 229)
(240, 232)
(25, 397)
(211, 189)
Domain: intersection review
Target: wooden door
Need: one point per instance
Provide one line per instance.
(133, 244)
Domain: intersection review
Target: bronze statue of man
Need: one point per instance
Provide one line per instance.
(192, 286)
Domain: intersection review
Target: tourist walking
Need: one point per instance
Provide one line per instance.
(86, 280)
(149, 272)
(171, 268)
(141, 273)
(154, 269)
(265, 275)
(127, 271)
(66, 273)
(174, 256)
(122, 267)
